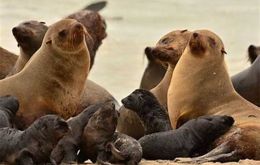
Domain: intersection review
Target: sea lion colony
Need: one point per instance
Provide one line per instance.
(187, 113)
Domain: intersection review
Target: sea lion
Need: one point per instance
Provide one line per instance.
(170, 45)
(33, 145)
(154, 117)
(123, 149)
(54, 89)
(96, 27)
(7, 62)
(191, 138)
(247, 82)
(67, 148)
(97, 133)
(9, 105)
(29, 36)
(253, 52)
(200, 85)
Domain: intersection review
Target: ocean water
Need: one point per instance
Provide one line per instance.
(120, 61)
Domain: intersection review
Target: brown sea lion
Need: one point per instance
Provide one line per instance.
(170, 45)
(247, 82)
(67, 148)
(190, 139)
(253, 52)
(153, 116)
(54, 89)
(98, 132)
(200, 85)
(96, 27)
(33, 145)
(7, 62)
(9, 105)
(29, 36)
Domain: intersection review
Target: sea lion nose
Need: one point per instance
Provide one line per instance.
(15, 30)
(148, 50)
(195, 35)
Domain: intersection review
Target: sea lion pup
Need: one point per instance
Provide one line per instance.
(153, 73)
(33, 145)
(247, 82)
(253, 52)
(7, 62)
(123, 149)
(170, 45)
(200, 86)
(54, 89)
(29, 36)
(97, 133)
(96, 27)
(9, 105)
(67, 148)
(154, 117)
(189, 139)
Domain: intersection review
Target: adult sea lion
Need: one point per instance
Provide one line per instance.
(200, 85)
(7, 62)
(98, 132)
(54, 89)
(29, 36)
(247, 82)
(154, 117)
(191, 138)
(170, 45)
(9, 105)
(67, 148)
(33, 145)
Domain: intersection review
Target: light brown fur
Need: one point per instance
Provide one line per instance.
(200, 85)
(170, 47)
(53, 79)
(7, 62)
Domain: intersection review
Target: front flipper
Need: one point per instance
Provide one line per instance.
(221, 153)
(115, 152)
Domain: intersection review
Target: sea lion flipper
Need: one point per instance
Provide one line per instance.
(97, 6)
(25, 157)
(116, 152)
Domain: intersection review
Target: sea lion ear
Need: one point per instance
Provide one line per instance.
(49, 42)
(223, 51)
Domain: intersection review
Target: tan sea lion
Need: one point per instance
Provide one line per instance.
(170, 45)
(200, 85)
(29, 36)
(7, 62)
(54, 78)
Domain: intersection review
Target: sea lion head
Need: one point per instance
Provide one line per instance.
(105, 119)
(52, 127)
(66, 36)
(170, 47)
(29, 36)
(138, 99)
(204, 42)
(212, 127)
(9, 102)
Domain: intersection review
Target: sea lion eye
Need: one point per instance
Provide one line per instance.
(63, 33)
(165, 41)
(27, 23)
(212, 42)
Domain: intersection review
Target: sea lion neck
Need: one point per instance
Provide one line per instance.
(204, 77)
(160, 91)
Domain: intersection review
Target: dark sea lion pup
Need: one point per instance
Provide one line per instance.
(123, 149)
(187, 140)
(67, 148)
(9, 105)
(29, 36)
(152, 114)
(98, 132)
(33, 145)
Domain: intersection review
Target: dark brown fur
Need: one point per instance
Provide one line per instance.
(7, 62)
